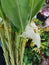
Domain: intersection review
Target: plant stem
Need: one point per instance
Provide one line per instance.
(6, 55)
(9, 42)
(22, 50)
(17, 40)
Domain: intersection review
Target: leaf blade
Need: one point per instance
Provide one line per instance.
(18, 11)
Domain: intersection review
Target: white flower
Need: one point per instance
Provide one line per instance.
(46, 23)
(32, 32)
(0, 19)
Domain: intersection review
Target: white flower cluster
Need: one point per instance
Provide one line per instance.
(32, 32)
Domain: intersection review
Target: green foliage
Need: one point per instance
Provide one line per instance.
(18, 11)
(45, 36)
(34, 55)
(45, 43)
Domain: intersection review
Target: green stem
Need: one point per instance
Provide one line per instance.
(22, 50)
(6, 55)
(17, 40)
(9, 42)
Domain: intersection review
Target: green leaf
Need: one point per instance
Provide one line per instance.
(18, 11)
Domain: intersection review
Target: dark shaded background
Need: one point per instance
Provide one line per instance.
(2, 60)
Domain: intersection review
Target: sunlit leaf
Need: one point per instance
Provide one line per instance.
(18, 11)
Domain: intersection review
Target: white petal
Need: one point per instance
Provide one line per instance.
(37, 40)
(31, 34)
